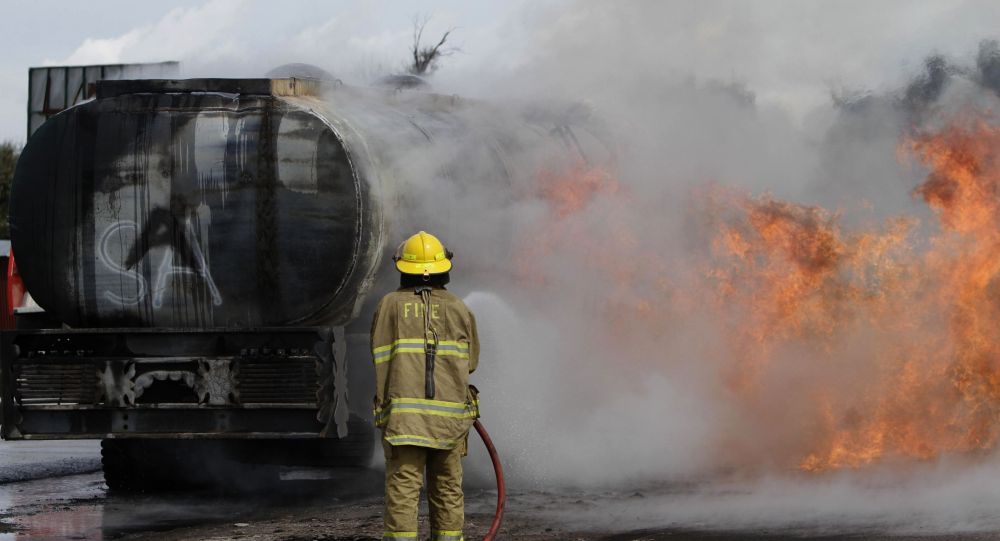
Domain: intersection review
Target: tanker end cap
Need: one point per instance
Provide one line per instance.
(289, 86)
(191, 210)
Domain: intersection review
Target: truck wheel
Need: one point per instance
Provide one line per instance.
(165, 465)
(121, 473)
(355, 450)
(352, 451)
(132, 466)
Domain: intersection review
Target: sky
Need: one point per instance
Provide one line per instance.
(228, 37)
(789, 53)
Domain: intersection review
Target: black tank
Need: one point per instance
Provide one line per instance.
(236, 203)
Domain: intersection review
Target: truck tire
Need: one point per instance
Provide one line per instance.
(154, 465)
(137, 466)
(121, 472)
(354, 450)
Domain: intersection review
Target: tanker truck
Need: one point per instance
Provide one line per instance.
(203, 250)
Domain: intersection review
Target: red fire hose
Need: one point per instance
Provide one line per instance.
(501, 487)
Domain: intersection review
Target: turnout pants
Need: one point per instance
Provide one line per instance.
(404, 475)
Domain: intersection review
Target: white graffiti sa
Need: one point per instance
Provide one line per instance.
(165, 271)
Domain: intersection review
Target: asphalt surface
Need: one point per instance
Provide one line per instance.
(53, 491)
(27, 460)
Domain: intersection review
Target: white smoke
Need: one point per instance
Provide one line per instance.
(725, 93)
(733, 93)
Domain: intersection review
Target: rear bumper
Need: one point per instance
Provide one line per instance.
(171, 383)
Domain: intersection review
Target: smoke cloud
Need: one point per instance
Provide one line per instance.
(638, 339)
(632, 318)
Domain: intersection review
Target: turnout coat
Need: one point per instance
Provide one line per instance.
(424, 399)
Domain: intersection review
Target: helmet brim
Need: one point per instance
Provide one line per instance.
(436, 267)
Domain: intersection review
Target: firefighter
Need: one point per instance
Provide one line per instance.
(425, 345)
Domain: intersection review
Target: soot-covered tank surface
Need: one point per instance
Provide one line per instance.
(185, 209)
(266, 202)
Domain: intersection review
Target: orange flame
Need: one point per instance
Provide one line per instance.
(941, 392)
(897, 324)
(568, 192)
(588, 225)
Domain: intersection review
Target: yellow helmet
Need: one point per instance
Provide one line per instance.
(423, 254)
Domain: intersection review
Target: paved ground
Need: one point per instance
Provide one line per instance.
(26, 460)
(39, 502)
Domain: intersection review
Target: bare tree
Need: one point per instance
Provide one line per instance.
(425, 58)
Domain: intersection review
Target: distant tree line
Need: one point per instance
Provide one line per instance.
(9, 152)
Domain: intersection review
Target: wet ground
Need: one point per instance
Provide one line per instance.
(26, 460)
(53, 491)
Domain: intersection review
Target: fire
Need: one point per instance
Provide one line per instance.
(588, 222)
(940, 393)
(565, 194)
(928, 309)
(898, 318)
(568, 192)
